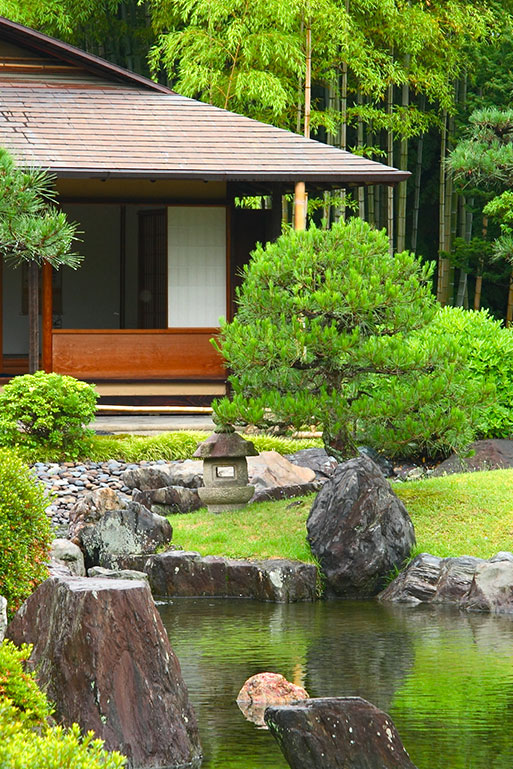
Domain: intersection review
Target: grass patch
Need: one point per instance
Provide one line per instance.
(467, 514)
(168, 446)
(262, 530)
(463, 514)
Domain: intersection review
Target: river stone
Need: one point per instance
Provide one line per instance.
(492, 454)
(119, 533)
(182, 573)
(337, 733)
(358, 529)
(103, 657)
(89, 508)
(188, 473)
(64, 553)
(3, 617)
(317, 460)
(168, 499)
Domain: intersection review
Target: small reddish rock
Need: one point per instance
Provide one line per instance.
(265, 689)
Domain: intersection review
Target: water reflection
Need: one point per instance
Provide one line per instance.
(445, 678)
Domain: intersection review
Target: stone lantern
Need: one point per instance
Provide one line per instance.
(225, 471)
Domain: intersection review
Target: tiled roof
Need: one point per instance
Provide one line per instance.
(129, 131)
(78, 115)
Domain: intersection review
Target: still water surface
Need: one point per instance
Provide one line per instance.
(445, 678)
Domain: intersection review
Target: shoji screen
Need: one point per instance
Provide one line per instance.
(196, 243)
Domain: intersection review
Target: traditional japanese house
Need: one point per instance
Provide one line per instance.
(151, 177)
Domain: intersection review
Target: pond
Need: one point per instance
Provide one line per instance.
(445, 678)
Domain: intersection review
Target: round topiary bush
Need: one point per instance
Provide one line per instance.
(25, 532)
(48, 411)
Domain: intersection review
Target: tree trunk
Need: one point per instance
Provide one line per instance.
(33, 316)
(480, 268)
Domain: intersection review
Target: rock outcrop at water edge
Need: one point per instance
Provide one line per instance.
(103, 657)
(337, 733)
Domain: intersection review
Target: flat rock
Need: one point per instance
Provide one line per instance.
(493, 454)
(119, 533)
(99, 571)
(285, 492)
(101, 653)
(317, 460)
(188, 473)
(270, 470)
(358, 529)
(491, 589)
(182, 573)
(337, 733)
(172, 499)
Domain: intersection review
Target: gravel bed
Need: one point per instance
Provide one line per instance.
(67, 481)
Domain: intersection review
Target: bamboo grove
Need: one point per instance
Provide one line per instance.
(396, 80)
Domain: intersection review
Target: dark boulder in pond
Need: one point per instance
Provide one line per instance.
(337, 733)
(358, 529)
(102, 655)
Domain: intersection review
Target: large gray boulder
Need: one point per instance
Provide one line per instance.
(168, 500)
(337, 733)
(358, 529)
(271, 473)
(101, 653)
(317, 460)
(118, 533)
(91, 507)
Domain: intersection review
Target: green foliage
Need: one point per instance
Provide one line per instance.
(27, 739)
(48, 410)
(20, 687)
(326, 334)
(487, 348)
(31, 228)
(25, 534)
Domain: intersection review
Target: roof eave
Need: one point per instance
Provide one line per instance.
(351, 177)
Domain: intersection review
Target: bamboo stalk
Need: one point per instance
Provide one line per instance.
(441, 225)
(308, 79)
(480, 268)
(403, 186)
(509, 309)
(359, 140)
(33, 315)
(390, 161)
(300, 206)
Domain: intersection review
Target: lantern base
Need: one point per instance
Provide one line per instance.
(223, 499)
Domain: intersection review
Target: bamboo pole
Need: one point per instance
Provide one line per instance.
(359, 140)
(403, 186)
(509, 308)
(300, 206)
(308, 78)
(479, 278)
(441, 224)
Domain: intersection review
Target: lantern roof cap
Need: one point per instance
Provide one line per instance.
(226, 444)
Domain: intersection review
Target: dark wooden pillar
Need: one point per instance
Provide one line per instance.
(47, 316)
(277, 212)
(33, 316)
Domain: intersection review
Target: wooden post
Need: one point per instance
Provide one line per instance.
(33, 316)
(300, 206)
(47, 316)
(276, 213)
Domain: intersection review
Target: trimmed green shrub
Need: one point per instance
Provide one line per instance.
(25, 532)
(487, 348)
(27, 740)
(47, 410)
(327, 333)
